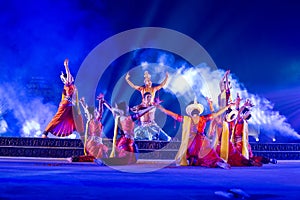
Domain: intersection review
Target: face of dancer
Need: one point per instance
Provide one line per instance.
(195, 113)
(147, 98)
(148, 83)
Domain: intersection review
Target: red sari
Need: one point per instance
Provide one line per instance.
(234, 156)
(200, 146)
(241, 143)
(199, 152)
(123, 152)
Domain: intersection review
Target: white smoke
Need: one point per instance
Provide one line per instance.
(3, 126)
(205, 82)
(31, 114)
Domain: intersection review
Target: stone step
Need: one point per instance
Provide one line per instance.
(63, 148)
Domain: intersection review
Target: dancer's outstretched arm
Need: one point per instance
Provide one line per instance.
(142, 112)
(70, 78)
(130, 83)
(210, 104)
(163, 83)
(85, 108)
(222, 110)
(170, 113)
(224, 83)
(246, 104)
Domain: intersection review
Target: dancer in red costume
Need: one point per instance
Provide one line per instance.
(195, 148)
(123, 148)
(225, 147)
(222, 127)
(240, 136)
(63, 123)
(148, 85)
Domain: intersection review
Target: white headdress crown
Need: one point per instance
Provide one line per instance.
(194, 106)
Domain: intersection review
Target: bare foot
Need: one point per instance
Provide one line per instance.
(223, 165)
(69, 159)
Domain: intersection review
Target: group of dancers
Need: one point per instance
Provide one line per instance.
(228, 126)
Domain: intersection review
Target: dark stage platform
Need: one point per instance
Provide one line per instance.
(63, 148)
(24, 178)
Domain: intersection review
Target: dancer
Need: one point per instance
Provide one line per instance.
(66, 120)
(94, 129)
(148, 85)
(148, 129)
(240, 135)
(93, 146)
(216, 125)
(225, 147)
(123, 148)
(223, 127)
(195, 148)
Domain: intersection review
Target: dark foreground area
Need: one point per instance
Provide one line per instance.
(26, 178)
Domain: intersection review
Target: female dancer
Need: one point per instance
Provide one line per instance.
(240, 135)
(63, 123)
(124, 148)
(93, 146)
(195, 148)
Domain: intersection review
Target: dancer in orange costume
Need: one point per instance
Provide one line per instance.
(148, 85)
(93, 146)
(68, 117)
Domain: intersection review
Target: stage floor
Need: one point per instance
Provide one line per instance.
(32, 178)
